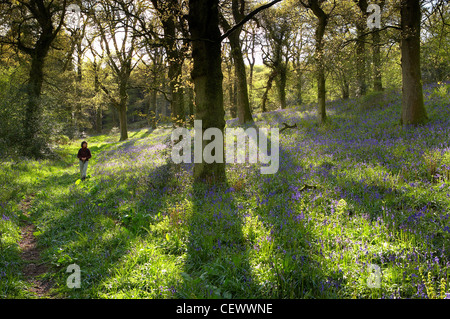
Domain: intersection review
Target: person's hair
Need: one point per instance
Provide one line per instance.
(84, 142)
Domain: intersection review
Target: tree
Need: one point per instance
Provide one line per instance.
(413, 109)
(203, 20)
(168, 13)
(33, 26)
(207, 77)
(278, 26)
(361, 22)
(376, 53)
(436, 43)
(111, 21)
(322, 21)
(243, 102)
(250, 45)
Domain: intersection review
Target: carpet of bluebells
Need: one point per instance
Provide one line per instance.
(355, 200)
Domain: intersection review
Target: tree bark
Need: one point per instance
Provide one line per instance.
(32, 123)
(413, 110)
(320, 32)
(122, 107)
(281, 85)
(345, 88)
(376, 52)
(266, 92)
(123, 123)
(174, 57)
(176, 87)
(243, 104)
(361, 49)
(207, 76)
(298, 88)
(32, 145)
(98, 110)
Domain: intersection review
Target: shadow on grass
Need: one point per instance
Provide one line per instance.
(297, 270)
(217, 264)
(95, 224)
(237, 250)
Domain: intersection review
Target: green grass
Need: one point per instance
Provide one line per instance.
(139, 228)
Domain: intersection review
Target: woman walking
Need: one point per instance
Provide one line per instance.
(84, 154)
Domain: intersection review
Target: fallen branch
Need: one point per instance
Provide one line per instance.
(286, 126)
(306, 186)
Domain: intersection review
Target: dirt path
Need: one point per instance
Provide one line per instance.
(31, 255)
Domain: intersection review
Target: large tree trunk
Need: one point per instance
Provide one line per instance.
(152, 109)
(298, 88)
(233, 97)
(361, 49)
(44, 15)
(123, 123)
(243, 104)
(191, 100)
(207, 77)
(281, 85)
(376, 52)
(122, 109)
(98, 119)
(98, 110)
(321, 90)
(266, 92)
(413, 110)
(175, 57)
(345, 88)
(176, 89)
(31, 123)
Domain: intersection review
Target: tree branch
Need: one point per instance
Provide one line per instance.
(247, 18)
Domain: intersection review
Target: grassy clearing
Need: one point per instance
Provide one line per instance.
(138, 228)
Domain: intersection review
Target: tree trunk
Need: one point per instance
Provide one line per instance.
(98, 119)
(123, 123)
(250, 84)
(174, 57)
(79, 61)
(281, 85)
(98, 110)
(413, 110)
(31, 125)
(151, 111)
(298, 88)
(122, 109)
(251, 62)
(191, 101)
(321, 90)
(360, 64)
(345, 87)
(361, 49)
(266, 92)
(176, 91)
(207, 76)
(243, 104)
(233, 97)
(376, 52)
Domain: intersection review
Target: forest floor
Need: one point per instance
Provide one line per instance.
(356, 200)
(34, 267)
